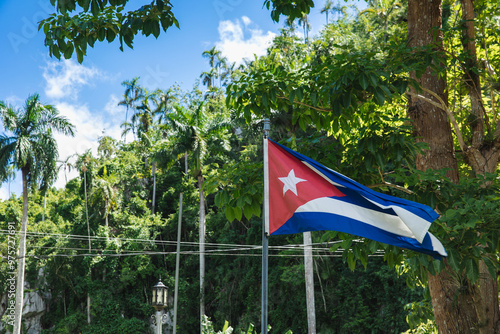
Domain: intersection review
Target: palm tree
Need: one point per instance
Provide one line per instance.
(213, 56)
(148, 141)
(327, 8)
(66, 165)
(306, 26)
(207, 78)
(217, 63)
(104, 190)
(145, 113)
(383, 10)
(194, 129)
(83, 163)
(133, 92)
(31, 148)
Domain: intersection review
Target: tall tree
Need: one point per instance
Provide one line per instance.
(218, 66)
(145, 113)
(193, 130)
(477, 310)
(333, 89)
(83, 163)
(465, 293)
(32, 149)
(328, 6)
(133, 92)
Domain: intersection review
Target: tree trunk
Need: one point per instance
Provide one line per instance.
(22, 254)
(153, 167)
(482, 158)
(459, 306)
(430, 123)
(44, 205)
(202, 248)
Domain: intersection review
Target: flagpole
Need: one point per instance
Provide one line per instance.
(265, 229)
(177, 261)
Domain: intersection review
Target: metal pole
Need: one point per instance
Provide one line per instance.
(265, 242)
(158, 322)
(265, 230)
(177, 259)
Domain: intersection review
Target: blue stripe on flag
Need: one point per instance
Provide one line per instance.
(301, 222)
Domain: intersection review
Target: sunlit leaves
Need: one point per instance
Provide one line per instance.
(238, 187)
(66, 35)
(291, 9)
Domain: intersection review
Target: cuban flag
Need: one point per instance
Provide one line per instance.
(302, 195)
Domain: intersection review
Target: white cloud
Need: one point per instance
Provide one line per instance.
(112, 106)
(4, 193)
(246, 20)
(65, 78)
(242, 39)
(88, 129)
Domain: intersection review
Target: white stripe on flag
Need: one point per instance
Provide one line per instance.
(383, 221)
(437, 245)
(416, 224)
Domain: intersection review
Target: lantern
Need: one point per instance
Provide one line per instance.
(160, 294)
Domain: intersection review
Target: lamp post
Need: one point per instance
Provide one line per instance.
(159, 301)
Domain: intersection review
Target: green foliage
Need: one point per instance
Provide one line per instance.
(99, 20)
(340, 99)
(420, 317)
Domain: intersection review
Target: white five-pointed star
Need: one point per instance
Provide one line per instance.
(290, 182)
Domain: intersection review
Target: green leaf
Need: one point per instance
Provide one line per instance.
(230, 214)
(346, 100)
(303, 123)
(299, 93)
(346, 244)
(238, 213)
(69, 51)
(79, 55)
(217, 199)
(240, 201)
(110, 35)
(472, 269)
(94, 8)
(248, 211)
(314, 98)
(374, 79)
(351, 261)
(372, 246)
(101, 34)
(453, 259)
(155, 27)
(363, 81)
(492, 266)
(379, 96)
(265, 101)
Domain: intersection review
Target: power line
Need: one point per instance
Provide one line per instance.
(321, 249)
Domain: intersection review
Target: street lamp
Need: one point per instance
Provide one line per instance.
(159, 301)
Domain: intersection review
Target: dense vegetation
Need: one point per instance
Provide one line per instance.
(340, 98)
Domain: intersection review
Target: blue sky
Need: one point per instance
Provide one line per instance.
(88, 93)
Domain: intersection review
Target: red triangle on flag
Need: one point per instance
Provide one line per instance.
(292, 184)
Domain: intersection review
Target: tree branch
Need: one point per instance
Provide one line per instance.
(443, 106)
(306, 105)
(387, 184)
